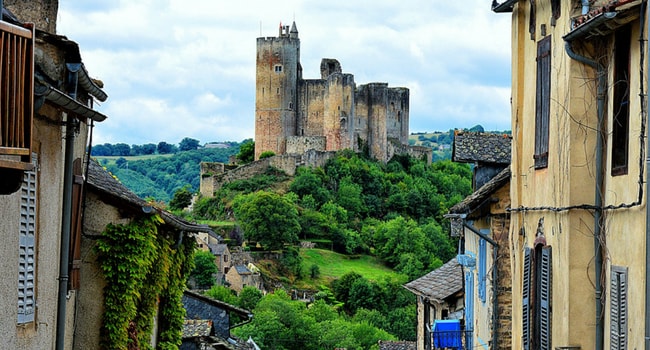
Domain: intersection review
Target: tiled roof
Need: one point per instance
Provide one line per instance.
(218, 249)
(439, 284)
(478, 147)
(610, 6)
(102, 182)
(397, 345)
(474, 200)
(197, 328)
(242, 270)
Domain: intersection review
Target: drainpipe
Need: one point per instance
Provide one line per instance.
(66, 225)
(647, 188)
(598, 201)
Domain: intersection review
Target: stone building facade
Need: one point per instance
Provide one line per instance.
(293, 114)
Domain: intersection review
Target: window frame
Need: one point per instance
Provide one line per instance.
(621, 101)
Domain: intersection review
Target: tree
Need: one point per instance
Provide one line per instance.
(102, 150)
(249, 297)
(148, 148)
(121, 162)
(121, 149)
(165, 148)
(246, 151)
(267, 218)
(182, 198)
(204, 269)
(188, 144)
(222, 293)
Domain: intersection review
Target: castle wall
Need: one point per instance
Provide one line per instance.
(339, 111)
(301, 144)
(397, 114)
(311, 99)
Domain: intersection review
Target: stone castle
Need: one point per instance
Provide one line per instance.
(305, 121)
(293, 115)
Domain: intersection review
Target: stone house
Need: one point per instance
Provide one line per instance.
(240, 276)
(47, 107)
(482, 223)
(579, 227)
(208, 323)
(222, 259)
(108, 201)
(440, 296)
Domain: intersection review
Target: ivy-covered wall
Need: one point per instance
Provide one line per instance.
(133, 274)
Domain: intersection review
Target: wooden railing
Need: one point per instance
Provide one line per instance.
(16, 95)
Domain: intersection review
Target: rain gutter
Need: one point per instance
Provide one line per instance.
(66, 102)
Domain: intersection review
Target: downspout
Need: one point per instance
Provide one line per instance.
(495, 304)
(66, 224)
(598, 201)
(647, 184)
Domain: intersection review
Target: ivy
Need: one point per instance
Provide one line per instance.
(142, 265)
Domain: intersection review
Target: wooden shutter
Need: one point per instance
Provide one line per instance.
(525, 294)
(482, 267)
(542, 102)
(618, 308)
(27, 247)
(545, 293)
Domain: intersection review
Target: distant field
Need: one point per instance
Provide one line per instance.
(334, 265)
(112, 159)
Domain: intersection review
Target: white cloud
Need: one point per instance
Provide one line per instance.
(186, 68)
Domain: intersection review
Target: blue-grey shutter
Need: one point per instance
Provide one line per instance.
(618, 308)
(525, 294)
(482, 267)
(26, 248)
(546, 290)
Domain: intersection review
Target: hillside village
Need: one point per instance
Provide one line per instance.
(535, 239)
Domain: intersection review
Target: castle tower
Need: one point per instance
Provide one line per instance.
(278, 71)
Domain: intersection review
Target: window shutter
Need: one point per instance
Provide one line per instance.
(542, 102)
(482, 268)
(546, 312)
(618, 308)
(26, 248)
(526, 299)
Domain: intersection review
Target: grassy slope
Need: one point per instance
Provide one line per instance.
(334, 265)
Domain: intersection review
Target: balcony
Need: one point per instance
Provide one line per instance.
(456, 340)
(16, 96)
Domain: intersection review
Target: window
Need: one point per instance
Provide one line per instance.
(536, 295)
(621, 102)
(556, 10)
(278, 68)
(618, 308)
(543, 102)
(27, 247)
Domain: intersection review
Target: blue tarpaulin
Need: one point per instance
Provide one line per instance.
(447, 334)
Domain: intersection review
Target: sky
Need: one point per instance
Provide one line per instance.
(186, 68)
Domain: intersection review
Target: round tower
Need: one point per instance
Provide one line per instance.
(277, 74)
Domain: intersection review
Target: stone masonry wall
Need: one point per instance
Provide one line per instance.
(500, 227)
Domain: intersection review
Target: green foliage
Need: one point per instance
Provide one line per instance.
(222, 293)
(267, 154)
(314, 271)
(249, 297)
(188, 144)
(204, 269)
(258, 182)
(140, 265)
(246, 151)
(182, 198)
(267, 218)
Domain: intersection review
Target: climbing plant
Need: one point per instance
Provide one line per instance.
(141, 265)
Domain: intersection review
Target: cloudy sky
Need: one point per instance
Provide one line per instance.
(186, 68)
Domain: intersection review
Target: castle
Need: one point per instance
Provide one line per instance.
(293, 115)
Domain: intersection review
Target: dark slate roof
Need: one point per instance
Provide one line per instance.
(218, 249)
(476, 199)
(439, 284)
(242, 270)
(102, 182)
(197, 328)
(478, 147)
(218, 303)
(397, 345)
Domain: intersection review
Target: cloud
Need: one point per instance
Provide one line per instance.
(186, 68)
